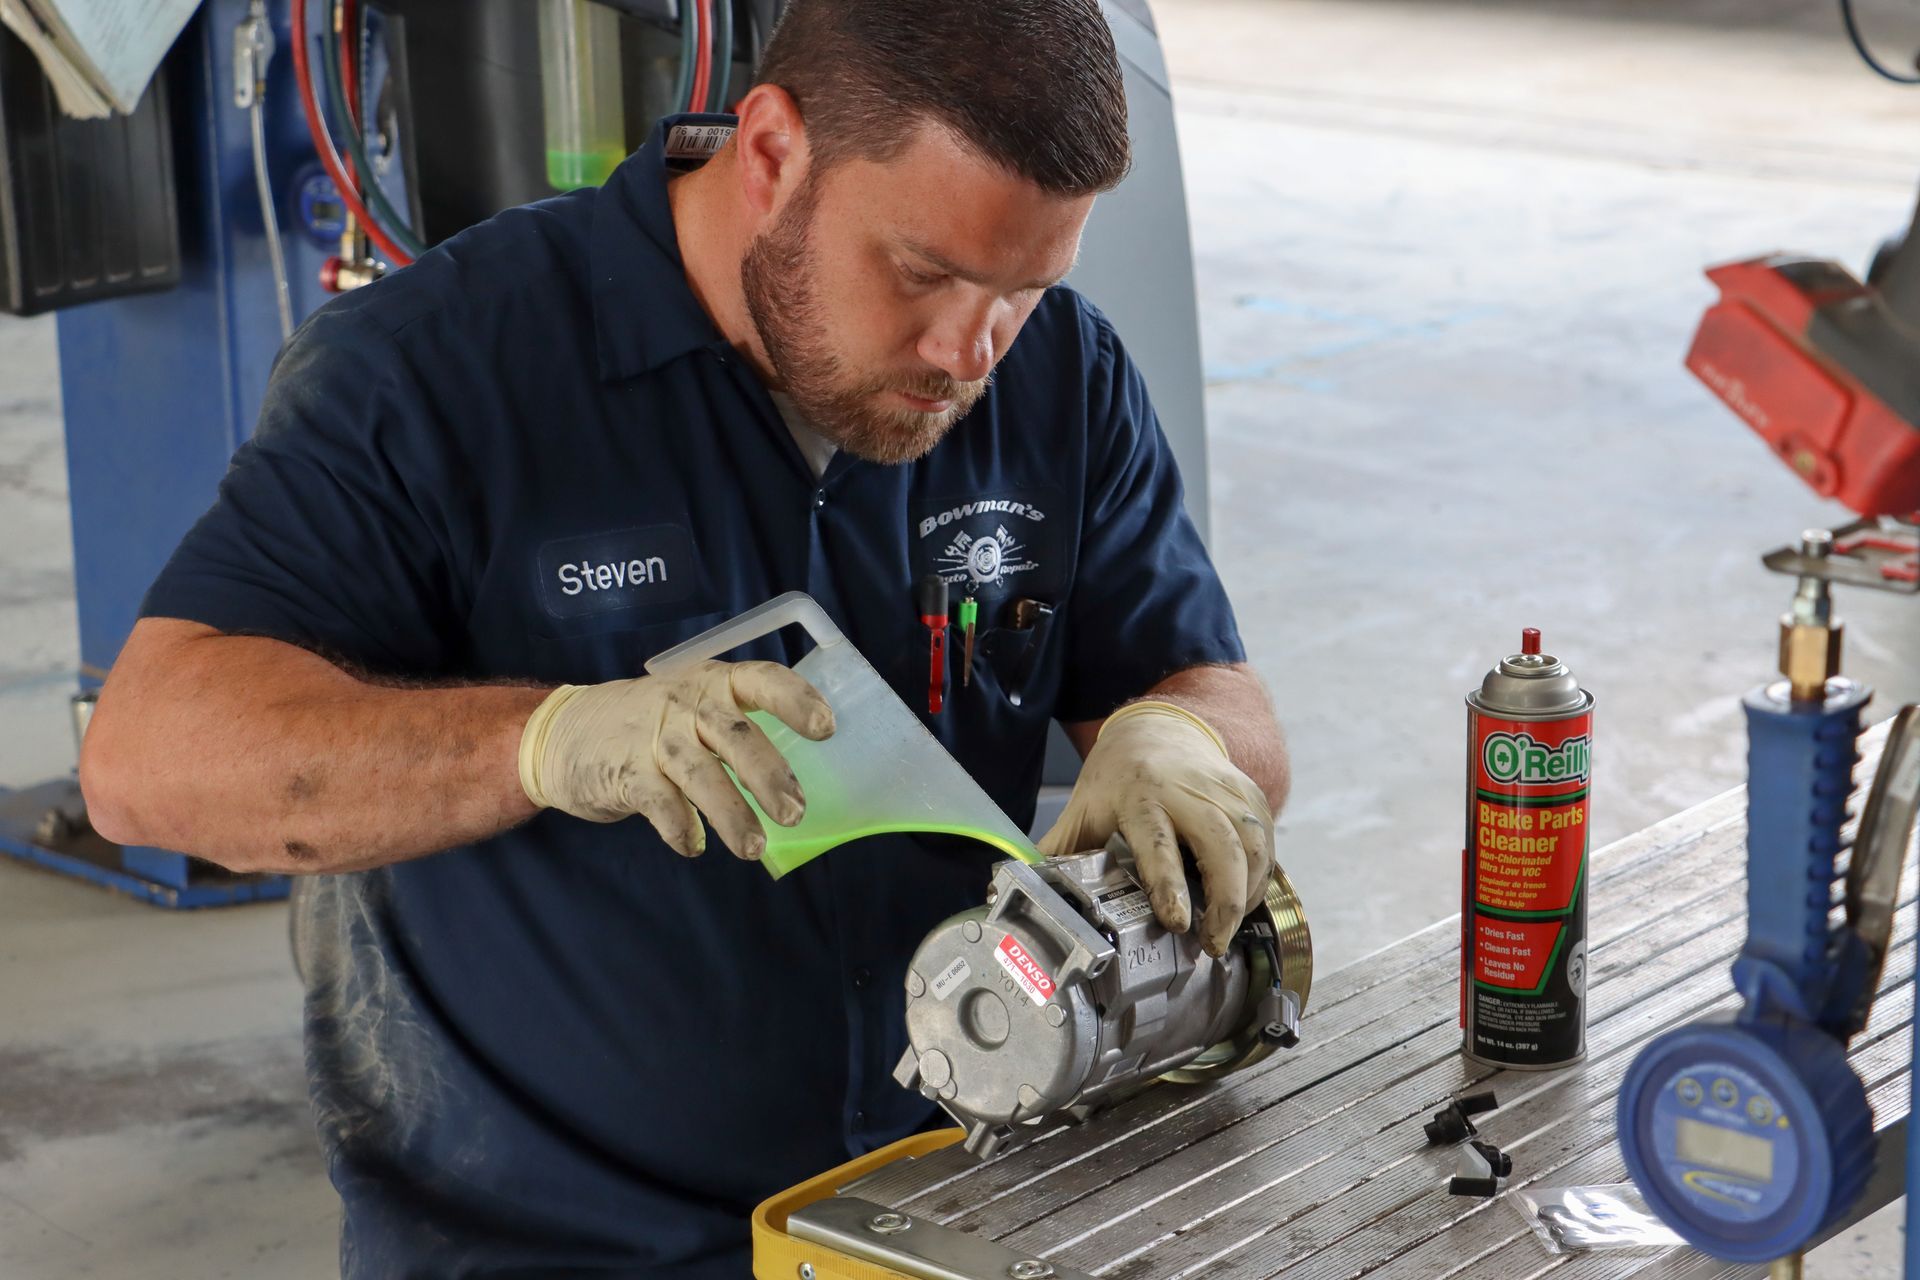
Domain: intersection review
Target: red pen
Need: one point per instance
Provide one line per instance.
(933, 616)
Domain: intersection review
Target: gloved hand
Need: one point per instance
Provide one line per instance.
(1160, 775)
(654, 746)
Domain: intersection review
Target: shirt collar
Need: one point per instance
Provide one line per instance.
(644, 311)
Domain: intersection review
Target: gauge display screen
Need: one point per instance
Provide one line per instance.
(1717, 1147)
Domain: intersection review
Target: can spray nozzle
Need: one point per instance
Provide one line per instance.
(1530, 660)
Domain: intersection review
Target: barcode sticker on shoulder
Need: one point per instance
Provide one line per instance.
(696, 141)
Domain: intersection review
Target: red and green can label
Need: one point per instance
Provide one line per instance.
(1524, 921)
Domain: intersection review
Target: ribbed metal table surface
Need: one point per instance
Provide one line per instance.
(1313, 1165)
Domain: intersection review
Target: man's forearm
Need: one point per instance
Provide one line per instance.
(263, 757)
(1234, 701)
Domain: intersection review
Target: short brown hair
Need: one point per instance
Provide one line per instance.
(1034, 86)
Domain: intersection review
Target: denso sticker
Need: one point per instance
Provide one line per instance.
(950, 977)
(1024, 969)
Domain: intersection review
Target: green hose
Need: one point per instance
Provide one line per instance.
(392, 222)
(683, 83)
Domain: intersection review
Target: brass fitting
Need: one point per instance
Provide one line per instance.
(337, 275)
(1809, 656)
(354, 265)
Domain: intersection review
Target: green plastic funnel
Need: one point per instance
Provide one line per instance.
(881, 771)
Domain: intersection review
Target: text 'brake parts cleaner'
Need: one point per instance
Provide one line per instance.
(1524, 914)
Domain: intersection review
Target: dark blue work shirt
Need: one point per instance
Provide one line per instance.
(531, 457)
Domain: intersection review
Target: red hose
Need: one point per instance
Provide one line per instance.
(323, 142)
(702, 55)
(349, 50)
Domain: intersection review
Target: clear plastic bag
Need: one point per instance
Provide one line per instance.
(1577, 1219)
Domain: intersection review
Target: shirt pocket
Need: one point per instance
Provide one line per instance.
(596, 656)
(1020, 664)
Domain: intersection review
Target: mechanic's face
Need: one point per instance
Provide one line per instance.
(884, 294)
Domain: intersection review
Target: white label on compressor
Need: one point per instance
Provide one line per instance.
(1024, 969)
(950, 977)
(1125, 908)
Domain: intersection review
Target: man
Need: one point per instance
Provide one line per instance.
(400, 651)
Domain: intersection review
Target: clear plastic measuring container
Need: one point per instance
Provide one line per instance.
(881, 771)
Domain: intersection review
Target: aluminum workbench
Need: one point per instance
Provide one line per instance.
(1313, 1165)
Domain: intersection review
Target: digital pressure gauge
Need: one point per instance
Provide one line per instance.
(1747, 1140)
(1751, 1135)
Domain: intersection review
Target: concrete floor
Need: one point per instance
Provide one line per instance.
(1449, 260)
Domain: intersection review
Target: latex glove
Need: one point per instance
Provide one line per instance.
(654, 746)
(1160, 776)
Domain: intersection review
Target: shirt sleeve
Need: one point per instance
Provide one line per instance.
(1146, 601)
(328, 531)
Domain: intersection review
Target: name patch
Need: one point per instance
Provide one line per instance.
(624, 569)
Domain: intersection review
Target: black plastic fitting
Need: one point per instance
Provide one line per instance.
(1449, 1125)
(1497, 1160)
(1481, 1187)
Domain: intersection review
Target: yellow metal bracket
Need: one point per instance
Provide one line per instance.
(778, 1256)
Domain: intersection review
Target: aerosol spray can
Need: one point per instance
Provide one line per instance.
(1523, 918)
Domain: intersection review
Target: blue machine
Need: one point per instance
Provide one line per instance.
(1751, 1136)
(158, 390)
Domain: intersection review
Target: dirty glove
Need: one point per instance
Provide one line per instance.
(1160, 776)
(654, 746)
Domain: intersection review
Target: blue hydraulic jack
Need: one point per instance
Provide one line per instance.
(1751, 1136)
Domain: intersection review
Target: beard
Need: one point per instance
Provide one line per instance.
(779, 277)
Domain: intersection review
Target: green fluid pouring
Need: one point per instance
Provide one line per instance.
(880, 772)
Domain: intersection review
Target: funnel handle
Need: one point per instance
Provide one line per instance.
(762, 619)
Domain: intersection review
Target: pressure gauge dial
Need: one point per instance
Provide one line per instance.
(1747, 1140)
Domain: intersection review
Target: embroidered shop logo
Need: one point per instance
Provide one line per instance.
(985, 506)
(987, 560)
(984, 559)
